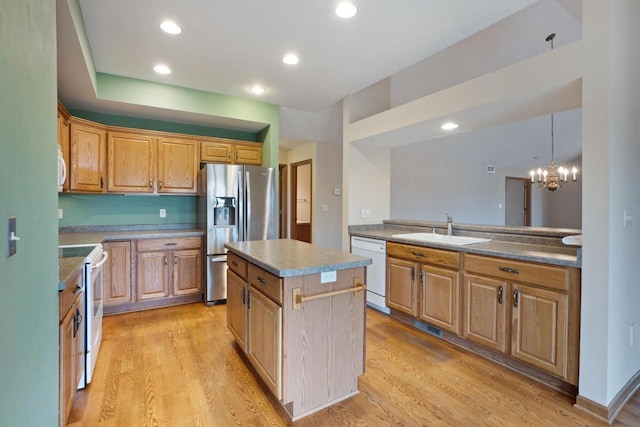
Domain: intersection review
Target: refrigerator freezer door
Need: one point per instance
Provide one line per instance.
(261, 203)
(223, 207)
(216, 279)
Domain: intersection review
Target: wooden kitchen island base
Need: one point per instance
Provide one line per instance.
(297, 312)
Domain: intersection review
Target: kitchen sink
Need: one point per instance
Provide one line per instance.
(441, 238)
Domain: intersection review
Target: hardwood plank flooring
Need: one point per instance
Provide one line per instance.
(178, 366)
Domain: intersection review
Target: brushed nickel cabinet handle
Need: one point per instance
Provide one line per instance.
(160, 184)
(500, 290)
(262, 280)
(509, 270)
(421, 254)
(150, 183)
(515, 297)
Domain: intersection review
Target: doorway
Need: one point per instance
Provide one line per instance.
(301, 201)
(282, 201)
(517, 202)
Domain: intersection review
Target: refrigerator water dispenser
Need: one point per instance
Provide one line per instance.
(224, 212)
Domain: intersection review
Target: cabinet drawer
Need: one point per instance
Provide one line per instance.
(68, 295)
(448, 259)
(266, 283)
(518, 271)
(169, 244)
(237, 265)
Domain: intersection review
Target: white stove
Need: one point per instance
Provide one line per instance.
(94, 259)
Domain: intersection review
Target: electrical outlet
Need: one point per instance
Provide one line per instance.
(325, 208)
(628, 217)
(163, 213)
(60, 214)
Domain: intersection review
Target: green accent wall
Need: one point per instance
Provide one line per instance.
(163, 126)
(28, 172)
(116, 209)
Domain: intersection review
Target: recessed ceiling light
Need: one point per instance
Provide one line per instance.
(449, 126)
(346, 10)
(290, 59)
(257, 89)
(162, 69)
(170, 27)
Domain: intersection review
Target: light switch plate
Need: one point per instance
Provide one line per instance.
(11, 230)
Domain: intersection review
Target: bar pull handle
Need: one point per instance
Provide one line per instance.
(500, 290)
(234, 263)
(516, 294)
(416, 253)
(165, 260)
(150, 183)
(160, 184)
(175, 260)
(509, 270)
(170, 244)
(244, 291)
(101, 182)
(298, 298)
(262, 280)
(421, 276)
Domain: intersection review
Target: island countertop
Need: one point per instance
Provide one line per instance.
(290, 258)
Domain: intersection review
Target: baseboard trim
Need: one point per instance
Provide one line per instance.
(609, 413)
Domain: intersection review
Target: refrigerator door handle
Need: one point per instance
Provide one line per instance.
(241, 209)
(248, 205)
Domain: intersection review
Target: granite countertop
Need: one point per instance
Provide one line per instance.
(541, 253)
(68, 268)
(290, 258)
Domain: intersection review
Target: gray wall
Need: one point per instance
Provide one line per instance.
(28, 171)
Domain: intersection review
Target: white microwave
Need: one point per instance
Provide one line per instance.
(62, 169)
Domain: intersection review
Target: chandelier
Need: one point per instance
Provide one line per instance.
(557, 176)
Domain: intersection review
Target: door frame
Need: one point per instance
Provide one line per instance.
(527, 198)
(294, 197)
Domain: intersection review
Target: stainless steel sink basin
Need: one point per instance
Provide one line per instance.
(441, 238)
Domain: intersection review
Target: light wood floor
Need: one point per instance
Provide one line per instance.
(178, 367)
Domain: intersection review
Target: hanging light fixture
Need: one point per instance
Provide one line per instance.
(557, 176)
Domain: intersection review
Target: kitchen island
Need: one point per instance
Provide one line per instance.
(298, 313)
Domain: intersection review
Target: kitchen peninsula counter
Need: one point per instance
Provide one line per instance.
(533, 244)
(297, 311)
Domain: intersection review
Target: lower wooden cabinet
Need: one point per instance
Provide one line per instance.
(71, 344)
(527, 311)
(423, 283)
(237, 293)
(117, 274)
(264, 344)
(147, 273)
(169, 267)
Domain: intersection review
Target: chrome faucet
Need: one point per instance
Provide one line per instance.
(449, 223)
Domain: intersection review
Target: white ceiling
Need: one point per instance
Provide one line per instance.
(228, 45)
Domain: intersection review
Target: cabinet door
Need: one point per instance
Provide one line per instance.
(237, 294)
(177, 166)
(152, 275)
(131, 166)
(264, 346)
(485, 303)
(87, 152)
(187, 272)
(67, 365)
(248, 154)
(439, 296)
(117, 274)
(539, 333)
(216, 152)
(402, 286)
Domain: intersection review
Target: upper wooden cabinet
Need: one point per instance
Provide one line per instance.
(64, 133)
(177, 166)
(221, 150)
(131, 166)
(87, 155)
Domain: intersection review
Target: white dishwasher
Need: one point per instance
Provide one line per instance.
(376, 272)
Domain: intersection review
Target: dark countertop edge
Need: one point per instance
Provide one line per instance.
(499, 229)
(302, 271)
(506, 249)
(131, 227)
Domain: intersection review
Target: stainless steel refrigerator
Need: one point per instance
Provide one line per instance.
(235, 203)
